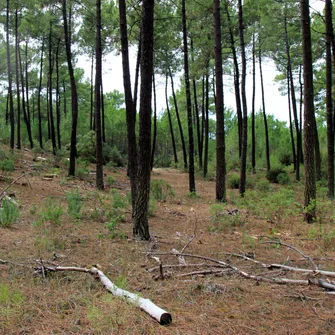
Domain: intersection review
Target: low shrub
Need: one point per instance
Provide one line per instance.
(234, 181)
(272, 175)
(9, 213)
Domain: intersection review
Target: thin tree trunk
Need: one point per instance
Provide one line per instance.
(10, 89)
(27, 85)
(196, 110)
(188, 103)
(18, 96)
(58, 97)
(267, 141)
(170, 121)
(51, 118)
(206, 124)
(130, 104)
(97, 100)
(290, 119)
(244, 103)
(329, 101)
(26, 115)
(294, 103)
(155, 125)
(236, 81)
(219, 106)
(74, 95)
(39, 88)
(178, 120)
(253, 135)
(103, 114)
(92, 95)
(309, 117)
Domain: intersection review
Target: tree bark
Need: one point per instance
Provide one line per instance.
(178, 120)
(236, 81)
(290, 118)
(219, 106)
(74, 94)
(329, 101)
(97, 99)
(17, 77)
(206, 124)
(170, 121)
(51, 118)
(155, 125)
(244, 103)
(309, 132)
(267, 141)
(188, 103)
(10, 89)
(140, 219)
(130, 104)
(294, 103)
(40, 136)
(253, 135)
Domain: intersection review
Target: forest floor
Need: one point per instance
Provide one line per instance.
(204, 303)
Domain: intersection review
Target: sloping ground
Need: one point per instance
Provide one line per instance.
(76, 303)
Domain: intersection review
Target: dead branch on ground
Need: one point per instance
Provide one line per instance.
(160, 315)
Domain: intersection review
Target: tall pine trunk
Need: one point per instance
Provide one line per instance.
(17, 77)
(253, 135)
(329, 100)
(267, 141)
(74, 94)
(51, 117)
(130, 104)
(244, 148)
(39, 113)
(178, 120)
(188, 103)
(219, 107)
(155, 125)
(170, 121)
(97, 99)
(309, 117)
(10, 88)
(140, 219)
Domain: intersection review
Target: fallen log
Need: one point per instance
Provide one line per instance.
(157, 313)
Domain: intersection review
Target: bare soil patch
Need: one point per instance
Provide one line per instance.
(76, 303)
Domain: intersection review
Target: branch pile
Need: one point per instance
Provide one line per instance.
(261, 272)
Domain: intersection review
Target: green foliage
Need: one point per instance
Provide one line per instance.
(109, 181)
(112, 155)
(234, 181)
(264, 185)
(113, 227)
(75, 203)
(118, 200)
(285, 159)
(223, 220)
(192, 195)
(9, 213)
(161, 190)
(152, 207)
(52, 211)
(86, 145)
(283, 178)
(7, 165)
(9, 298)
(326, 237)
(272, 175)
